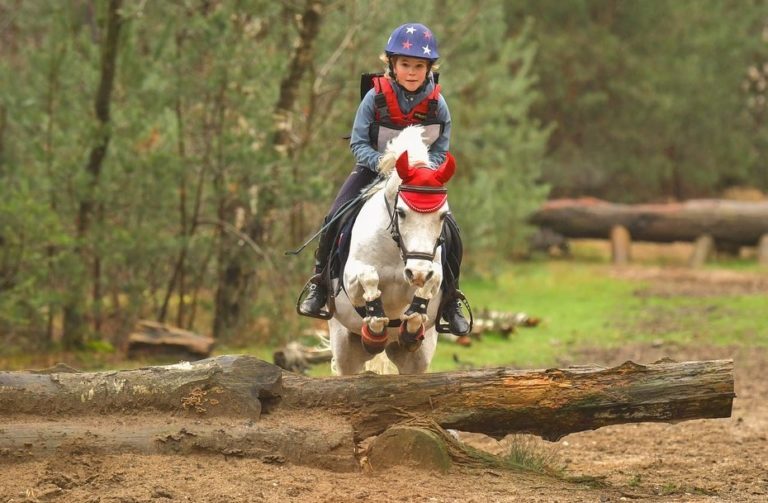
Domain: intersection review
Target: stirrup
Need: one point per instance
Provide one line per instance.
(442, 326)
(322, 315)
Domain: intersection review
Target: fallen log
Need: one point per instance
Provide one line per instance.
(220, 386)
(150, 338)
(549, 403)
(309, 440)
(502, 322)
(730, 223)
(296, 357)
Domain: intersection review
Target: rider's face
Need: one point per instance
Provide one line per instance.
(410, 72)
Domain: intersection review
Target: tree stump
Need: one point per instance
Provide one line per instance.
(410, 446)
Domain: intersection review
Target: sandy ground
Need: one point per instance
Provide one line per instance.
(704, 460)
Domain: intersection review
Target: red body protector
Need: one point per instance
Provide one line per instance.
(390, 119)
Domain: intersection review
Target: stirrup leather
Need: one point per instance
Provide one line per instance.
(442, 327)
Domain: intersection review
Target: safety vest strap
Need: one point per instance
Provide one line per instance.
(388, 109)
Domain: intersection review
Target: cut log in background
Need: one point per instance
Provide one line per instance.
(730, 224)
(251, 407)
(150, 338)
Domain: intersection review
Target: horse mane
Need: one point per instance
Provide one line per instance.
(409, 140)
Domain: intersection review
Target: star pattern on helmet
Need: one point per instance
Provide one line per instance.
(410, 30)
(427, 50)
(427, 35)
(407, 44)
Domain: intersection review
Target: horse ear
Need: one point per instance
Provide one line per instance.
(403, 168)
(446, 169)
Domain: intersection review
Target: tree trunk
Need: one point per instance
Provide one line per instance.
(549, 403)
(738, 223)
(74, 329)
(301, 61)
(315, 441)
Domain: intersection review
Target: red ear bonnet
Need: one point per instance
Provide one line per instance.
(446, 169)
(424, 202)
(403, 168)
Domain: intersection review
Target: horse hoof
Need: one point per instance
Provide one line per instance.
(373, 343)
(411, 341)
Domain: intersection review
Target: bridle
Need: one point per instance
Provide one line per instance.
(394, 225)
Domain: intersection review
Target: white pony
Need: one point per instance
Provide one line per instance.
(391, 281)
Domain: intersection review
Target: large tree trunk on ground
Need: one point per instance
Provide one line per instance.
(311, 439)
(737, 223)
(550, 403)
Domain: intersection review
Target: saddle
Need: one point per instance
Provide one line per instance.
(337, 259)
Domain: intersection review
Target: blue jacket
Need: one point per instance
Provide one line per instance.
(366, 154)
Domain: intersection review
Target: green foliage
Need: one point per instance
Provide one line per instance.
(194, 157)
(500, 146)
(647, 96)
(625, 100)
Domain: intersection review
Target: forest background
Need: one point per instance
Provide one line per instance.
(158, 158)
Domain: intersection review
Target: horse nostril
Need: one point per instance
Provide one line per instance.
(429, 275)
(409, 274)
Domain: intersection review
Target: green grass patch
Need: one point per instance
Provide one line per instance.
(583, 306)
(577, 303)
(733, 320)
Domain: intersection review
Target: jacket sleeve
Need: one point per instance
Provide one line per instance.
(360, 143)
(438, 150)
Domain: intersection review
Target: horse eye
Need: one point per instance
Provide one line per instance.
(443, 215)
(400, 213)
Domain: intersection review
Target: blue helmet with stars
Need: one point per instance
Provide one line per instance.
(413, 40)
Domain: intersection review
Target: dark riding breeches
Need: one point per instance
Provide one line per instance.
(357, 180)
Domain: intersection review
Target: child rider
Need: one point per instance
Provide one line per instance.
(406, 94)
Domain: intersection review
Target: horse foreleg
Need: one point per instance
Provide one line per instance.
(363, 287)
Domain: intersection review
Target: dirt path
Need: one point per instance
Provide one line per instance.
(694, 461)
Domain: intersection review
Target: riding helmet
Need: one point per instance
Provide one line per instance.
(414, 40)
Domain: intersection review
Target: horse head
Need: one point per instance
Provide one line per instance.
(420, 209)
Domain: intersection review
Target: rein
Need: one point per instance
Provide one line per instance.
(394, 226)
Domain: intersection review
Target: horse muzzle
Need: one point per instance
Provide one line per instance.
(418, 272)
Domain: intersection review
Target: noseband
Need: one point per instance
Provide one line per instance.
(394, 225)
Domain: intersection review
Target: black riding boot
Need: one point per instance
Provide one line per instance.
(453, 315)
(318, 291)
(453, 252)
